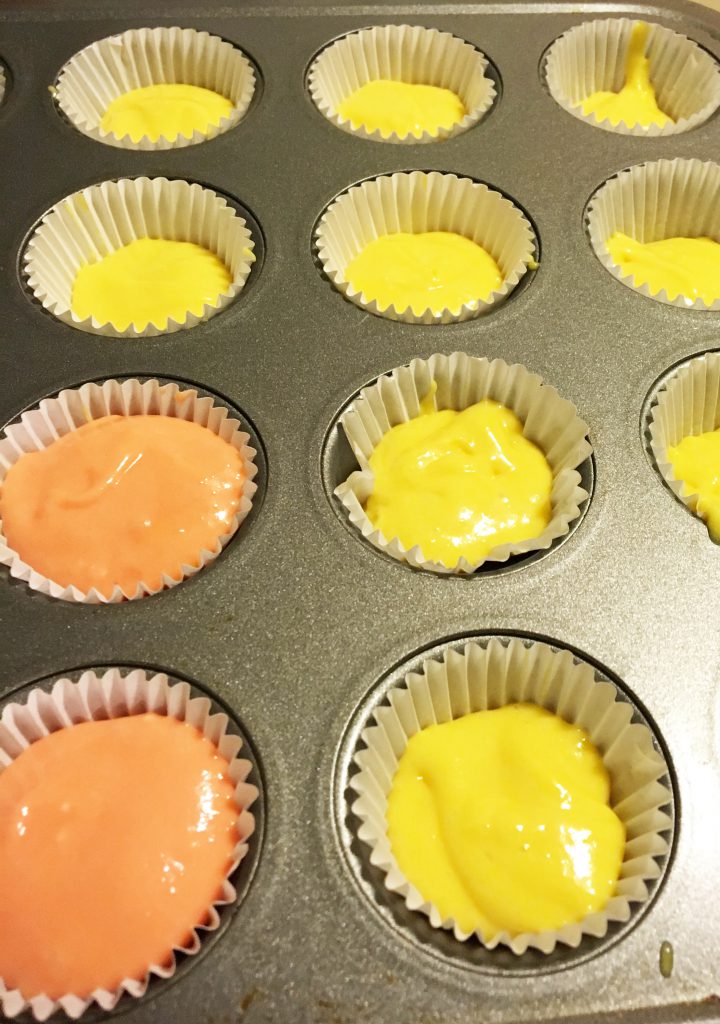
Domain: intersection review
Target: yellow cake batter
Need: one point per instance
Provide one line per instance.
(635, 104)
(149, 281)
(402, 108)
(433, 270)
(681, 266)
(165, 111)
(696, 461)
(502, 820)
(459, 484)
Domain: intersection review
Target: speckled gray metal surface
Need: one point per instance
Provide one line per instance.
(297, 619)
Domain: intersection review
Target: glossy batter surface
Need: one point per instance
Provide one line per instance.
(696, 461)
(681, 266)
(459, 483)
(149, 281)
(501, 819)
(121, 500)
(402, 108)
(115, 839)
(635, 104)
(165, 111)
(430, 270)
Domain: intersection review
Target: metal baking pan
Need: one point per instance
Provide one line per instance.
(298, 620)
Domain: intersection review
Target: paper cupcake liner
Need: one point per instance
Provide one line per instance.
(483, 677)
(648, 202)
(549, 421)
(90, 224)
(402, 53)
(113, 695)
(111, 67)
(592, 57)
(415, 202)
(3, 84)
(71, 409)
(687, 404)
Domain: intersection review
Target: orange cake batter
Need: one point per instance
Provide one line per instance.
(122, 500)
(115, 839)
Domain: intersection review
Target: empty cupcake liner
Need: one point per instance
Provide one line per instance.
(592, 57)
(114, 695)
(90, 224)
(479, 678)
(648, 202)
(135, 59)
(401, 53)
(416, 202)
(70, 409)
(687, 404)
(549, 421)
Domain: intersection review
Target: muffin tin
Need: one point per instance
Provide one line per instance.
(297, 626)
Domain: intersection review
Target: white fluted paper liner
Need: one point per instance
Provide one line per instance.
(549, 421)
(90, 224)
(3, 83)
(71, 409)
(648, 202)
(592, 57)
(688, 404)
(401, 53)
(140, 57)
(416, 202)
(114, 695)
(479, 678)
